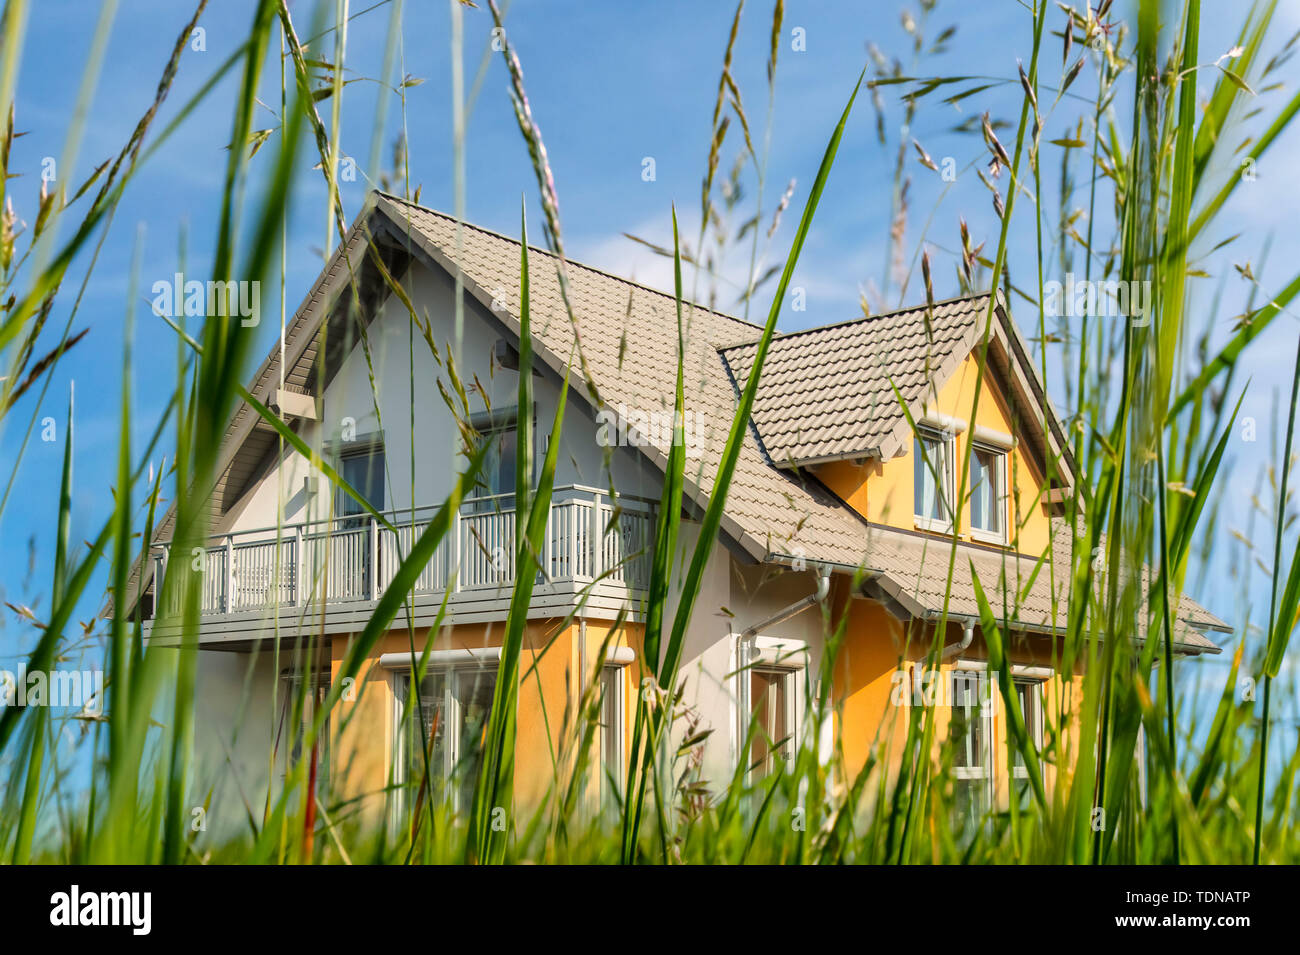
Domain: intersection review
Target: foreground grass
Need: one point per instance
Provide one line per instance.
(1149, 431)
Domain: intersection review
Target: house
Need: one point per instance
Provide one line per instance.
(841, 506)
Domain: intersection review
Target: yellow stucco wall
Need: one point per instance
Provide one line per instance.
(873, 704)
(876, 644)
(551, 680)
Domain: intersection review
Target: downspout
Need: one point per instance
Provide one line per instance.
(967, 635)
(798, 607)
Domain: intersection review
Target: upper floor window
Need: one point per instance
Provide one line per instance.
(363, 468)
(933, 479)
(498, 429)
(988, 495)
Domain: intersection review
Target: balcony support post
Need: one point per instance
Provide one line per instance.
(597, 536)
(230, 574)
(299, 598)
(372, 571)
(159, 575)
(453, 565)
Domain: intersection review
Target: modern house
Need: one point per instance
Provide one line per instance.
(842, 506)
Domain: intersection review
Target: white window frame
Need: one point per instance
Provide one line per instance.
(612, 765)
(1019, 770)
(789, 659)
(1002, 496)
(985, 770)
(491, 425)
(364, 446)
(944, 471)
(319, 687)
(1021, 674)
(449, 664)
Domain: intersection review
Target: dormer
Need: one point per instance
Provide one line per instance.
(884, 412)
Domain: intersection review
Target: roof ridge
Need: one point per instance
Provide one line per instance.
(574, 262)
(784, 336)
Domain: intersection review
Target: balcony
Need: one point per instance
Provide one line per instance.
(258, 580)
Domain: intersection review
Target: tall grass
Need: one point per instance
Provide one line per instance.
(1147, 441)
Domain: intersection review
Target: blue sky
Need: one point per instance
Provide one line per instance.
(610, 85)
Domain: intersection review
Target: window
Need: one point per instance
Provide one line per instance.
(499, 431)
(293, 730)
(988, 495)
(970, 733)
(448, 728)
(933, 480)
(611, 732)
(771, 701)
(499, 467)
(1029, 694)
(363, 468)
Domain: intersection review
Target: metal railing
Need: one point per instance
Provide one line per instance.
(354, 558)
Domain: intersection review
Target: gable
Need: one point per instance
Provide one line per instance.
(882, 491)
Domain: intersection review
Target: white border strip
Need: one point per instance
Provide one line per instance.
(1017, 669)
(943, 423)
(482, 656)
(996, 439)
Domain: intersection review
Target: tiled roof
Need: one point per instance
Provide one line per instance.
(629, 338)
(629, 342)
(828, 392)
(913, 571)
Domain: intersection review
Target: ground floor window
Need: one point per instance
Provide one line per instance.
(1029, 693)
(297, 714)
(974, 738)
(970, 730)
(442, 734)
(770, 695)
(772, 718)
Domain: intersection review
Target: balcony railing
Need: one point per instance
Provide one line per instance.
(354, 558)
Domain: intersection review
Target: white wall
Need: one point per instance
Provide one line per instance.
(733, 597)
(434, 452)
(234, 732)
